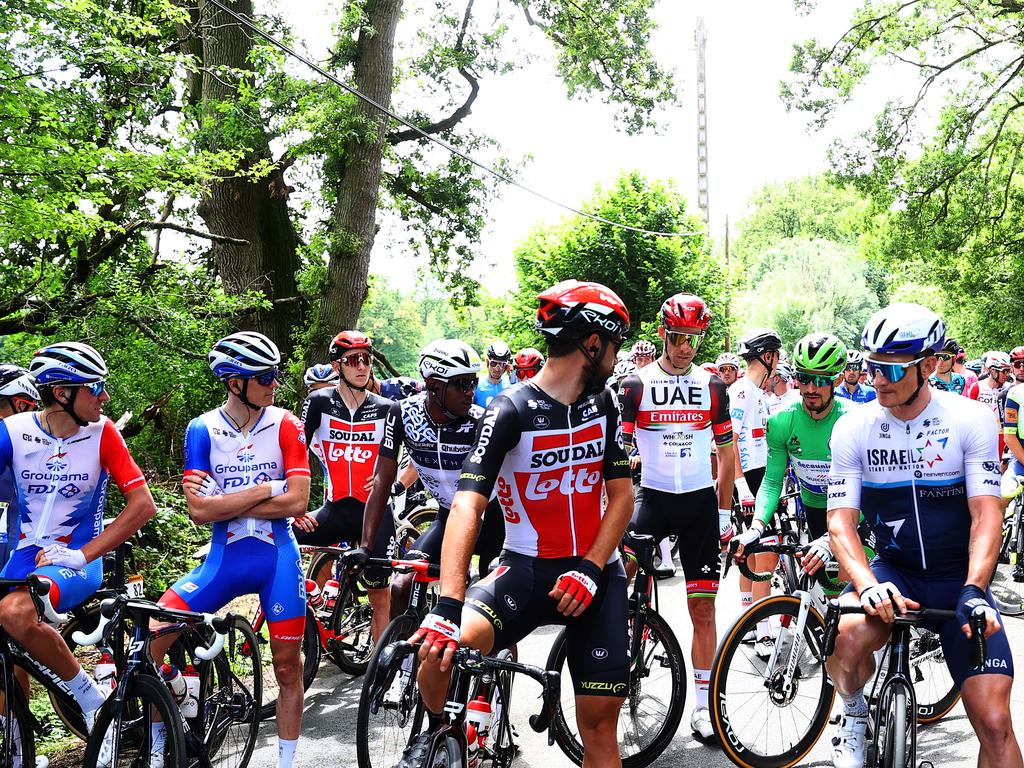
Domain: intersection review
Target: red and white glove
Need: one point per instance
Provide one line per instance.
(746, 498)
(440, 627)
(725, 527)
(580, 584)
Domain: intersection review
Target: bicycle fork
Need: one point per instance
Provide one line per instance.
(797, 644)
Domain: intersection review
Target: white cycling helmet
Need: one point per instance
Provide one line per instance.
(445, 358)
(1000, 359)
(643, 348)
(622, 369)
(728, 358)
(243, 355)
(903, 329)
(68, 363)
(499, 351)
(15, 381)
(321, 374)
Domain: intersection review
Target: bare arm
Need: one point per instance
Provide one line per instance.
(613, 524)
(222, 506)
(291, 503)
(986, 536)
(138, 510)
(460, 534)
(728, 466)
(1014, 444)
(847, 547)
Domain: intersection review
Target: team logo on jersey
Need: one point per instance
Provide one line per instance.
(56, 462)
(538, 405)
(599, 653)
(69, 490)
(929, 452)
(261, 478)
(541, 422)
(885, 426)
(245, 453)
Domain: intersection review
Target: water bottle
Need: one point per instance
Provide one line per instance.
(331, 589)
(105, 672)
(314, 596)
(190, 706)
(175, 682)
(478, 724)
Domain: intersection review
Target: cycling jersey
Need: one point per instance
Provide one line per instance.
(955, 384)
(911, 480)
(673, 418)
(777, 403)
(1014, 400)
(862, 393)
(549, 463)
(749, 420)
(984, 393)
(486, 391)
(8, 515)
(61, 482)
(346, 443)
(793, 436)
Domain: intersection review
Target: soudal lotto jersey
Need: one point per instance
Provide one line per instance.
(673, 419)
(346, 443)
(274, 449)
(60, 483)
(548, 463)
(749, 413)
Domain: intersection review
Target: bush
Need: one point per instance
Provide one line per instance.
(168, 541)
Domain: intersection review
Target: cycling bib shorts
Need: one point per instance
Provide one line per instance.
(68, 588)
(342, 521)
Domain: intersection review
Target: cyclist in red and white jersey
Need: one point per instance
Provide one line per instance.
(674, 411)
(552, 448)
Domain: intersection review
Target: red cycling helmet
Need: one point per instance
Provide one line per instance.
(573, 310)
(346, 341)
(528, 358)
(684, 310)
(1017, 353)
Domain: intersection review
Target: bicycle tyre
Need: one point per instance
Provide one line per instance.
(24, 748)
(784, 609)
(895, 739)
(144, 695)
(499, 752)
(930, 708)
(675, 697)
(352, 645)
(385, 753)
(423, 753)
(310, 660)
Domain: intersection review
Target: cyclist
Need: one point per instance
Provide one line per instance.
(945, 378)
(18, 394)
(320, 376)
(344, 428)
(728, 365)
(551, 447)
(960, 366)
(780, 391)
(399, 388)
(1017, 365)
(674, 410)
(246, 473)
(499, 365)
(852, 388)
(527, 364)
(61, 459)
(643, 353)
(996, 384)
(921, 466)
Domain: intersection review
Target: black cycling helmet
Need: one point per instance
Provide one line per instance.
(757, 342)
(950, 345)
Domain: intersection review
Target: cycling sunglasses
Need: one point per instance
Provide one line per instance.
(816, 379)
(526, 373)
(95, 389)
(496, 363)
(359, 358)
(466, 385)
(943, 356)
(891, 372)
(1018, 363)
(266, 378)
(21, 404)
(675, 338)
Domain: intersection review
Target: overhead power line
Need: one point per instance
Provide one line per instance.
(439, 142)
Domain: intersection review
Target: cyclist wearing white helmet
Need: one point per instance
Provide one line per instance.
(994, 386)
(321, 376)
(18, 394)
(247, 474)
(851, 387)
(499, 365)
(61, 459)
(728, 366)
(643, 353)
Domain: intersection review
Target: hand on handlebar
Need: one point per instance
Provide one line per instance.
(355, 560)
(885, 600)
(972, 598)
(743, 540)
(818, 555)
(439, 633)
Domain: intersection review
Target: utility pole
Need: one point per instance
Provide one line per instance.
(728, 298)
(701, 38)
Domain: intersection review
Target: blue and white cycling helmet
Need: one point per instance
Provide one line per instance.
(399, 388)
(68, 363)
(323, 373)
(243, 355)
(904, 329)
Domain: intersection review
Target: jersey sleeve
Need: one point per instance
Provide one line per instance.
(293, 446)
(394, 433)
(616, 462)
(971, 390)
(631, 393)
(497, 433)
(770, 491)
(115, 458)
(197, 448)
(6, 448)
(1011, 413)
(845, 475)
(721, 420)
(981, 456)
(311, 409)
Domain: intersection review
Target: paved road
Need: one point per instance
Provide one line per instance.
(328, 734)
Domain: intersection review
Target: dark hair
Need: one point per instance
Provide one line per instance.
(557, 347)
(46, 398)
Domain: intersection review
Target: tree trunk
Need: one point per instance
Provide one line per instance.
(359, 172)
(256, 211)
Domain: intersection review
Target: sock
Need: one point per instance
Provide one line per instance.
(701, 682)
(746, 599)
(666, 554)
(285, 752)
(86, 692)
(764, 629)
(855, 703)
(158, 737)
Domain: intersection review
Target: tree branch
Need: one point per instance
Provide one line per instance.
(149, 333)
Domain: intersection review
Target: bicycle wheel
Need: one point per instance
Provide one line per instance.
(229, 701)
(499, 749)
(352, 644)
(321, 567)
(17, 747)
(310, 652)
(418, 521)
(894, 744)
(654, 702)
(1008, 577)
(131, 726)
(934, 690)
(761, 717)
(381, 738)
(447, 753)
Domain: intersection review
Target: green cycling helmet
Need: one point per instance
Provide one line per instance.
(819, 353)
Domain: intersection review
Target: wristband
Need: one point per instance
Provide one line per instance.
(277, 487)
(724, 518)
(742, 489)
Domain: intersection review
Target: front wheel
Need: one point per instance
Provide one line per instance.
(424, 753)
(16, 745)
(894, 744)
(768, 713)
(351, 643)
(655, 695)
(1007, 583)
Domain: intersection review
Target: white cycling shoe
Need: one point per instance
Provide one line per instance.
(700, 723)
(764, 647)
(847, 745)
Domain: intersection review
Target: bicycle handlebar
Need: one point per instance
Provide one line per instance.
(39, 591)
(421, 567)
(818, 576)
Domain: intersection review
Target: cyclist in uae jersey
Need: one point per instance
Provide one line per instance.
(61, 460)
(246, 472)
(499, 366)
(851, 387)
(921, 467)
(551, 448)
(675, 411)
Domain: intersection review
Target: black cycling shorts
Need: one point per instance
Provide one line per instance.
(489, 541)
(817, 521)
(342, 521)
(693, 518)
(514, 599)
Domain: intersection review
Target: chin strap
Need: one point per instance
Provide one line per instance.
(920, 385)
(243, 395)
(349, 384)
(69, 408)
(592, 383)
(439, 400)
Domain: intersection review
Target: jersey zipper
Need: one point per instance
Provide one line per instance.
(572, 472)
(51, 499)
(913, 490)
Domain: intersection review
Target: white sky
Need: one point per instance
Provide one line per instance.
(575, 145)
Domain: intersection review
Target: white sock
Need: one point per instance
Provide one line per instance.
(158, 737)
(855, 703)
(666, 554)
(701, 682)
(286, 752)
(764, 629)
(86, 692)
(746, 599)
